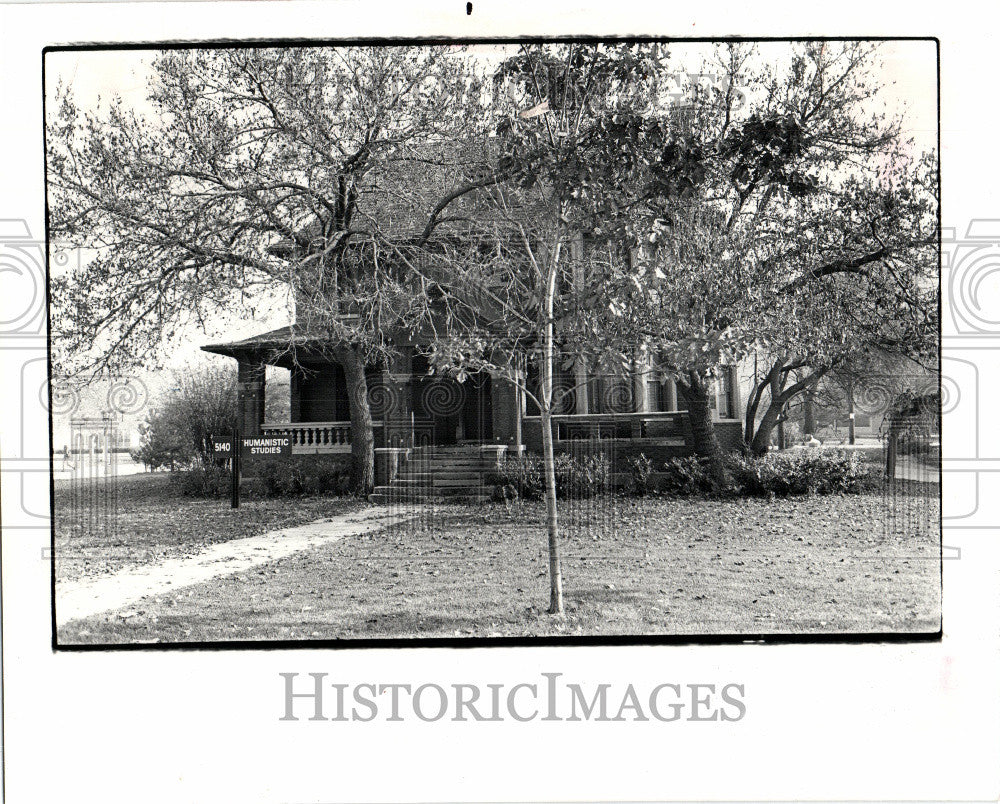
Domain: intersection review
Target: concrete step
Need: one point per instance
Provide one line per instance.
(454, 453)
(427, 476)
(448, 464)
(396, 492)
(448, 449)
(434, 491)
(395, 498)
(427, 482)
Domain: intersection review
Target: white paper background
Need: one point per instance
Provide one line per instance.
(826, 722)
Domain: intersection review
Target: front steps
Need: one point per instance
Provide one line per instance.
(440, 473)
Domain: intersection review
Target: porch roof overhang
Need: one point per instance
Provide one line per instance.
(290, 344)
(278, 346)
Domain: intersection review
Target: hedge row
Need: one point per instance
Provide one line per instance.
(312, 474)
(776, 474)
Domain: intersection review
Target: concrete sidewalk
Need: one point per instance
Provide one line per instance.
(84, 597)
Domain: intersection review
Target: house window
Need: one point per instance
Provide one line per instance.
(724, 393)
(563, 390)
(664, 397)
(610, 394)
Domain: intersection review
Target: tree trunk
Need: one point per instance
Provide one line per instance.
(696, 392)
(548, 453)
(551, 515)
(362, 435)
(850, 413)
(780, 399)
(809, 414)
(762, 438)
(750, 415)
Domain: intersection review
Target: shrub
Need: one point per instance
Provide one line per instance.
(575, 477)
(313, 474)
(269, 475)
(522, 474)
(202, 481)
(688, 475)
(640, 472)
(582, 477)
(802, 472)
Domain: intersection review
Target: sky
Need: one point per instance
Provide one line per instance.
(907, 77)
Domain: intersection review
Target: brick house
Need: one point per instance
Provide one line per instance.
(411, 408)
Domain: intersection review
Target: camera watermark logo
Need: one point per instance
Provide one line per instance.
(972, 267)
(22, 268)
(26, 459)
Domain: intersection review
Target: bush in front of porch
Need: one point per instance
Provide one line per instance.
(303, 474)
(576, 477)
(774, 475)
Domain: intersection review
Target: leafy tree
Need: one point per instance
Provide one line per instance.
(198, 404)
(259, 171)
(773, 211)
(857, 312)
(866, 384)
(510, 289)
(163, 441)
(205, 401)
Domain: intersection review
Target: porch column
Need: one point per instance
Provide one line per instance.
(734, 391)
(581, 389)
(670, 394)
(250, 396)
(639, 387)
(508, 408)
(640, 401)
(295, 392)
(399, 398)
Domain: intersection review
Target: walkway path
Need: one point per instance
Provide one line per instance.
(87, 596)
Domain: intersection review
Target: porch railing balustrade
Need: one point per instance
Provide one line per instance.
(571, 426)
(331, 437)
(313, 437)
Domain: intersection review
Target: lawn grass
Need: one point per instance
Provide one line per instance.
(653, 566)
(151, 522)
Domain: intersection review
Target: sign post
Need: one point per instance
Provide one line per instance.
(252, 449)
(228, 448)
(236, 469)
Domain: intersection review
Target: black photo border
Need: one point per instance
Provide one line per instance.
(755, 638)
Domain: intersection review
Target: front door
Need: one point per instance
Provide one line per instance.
(477, 412)
(438, 403)
(454, 411)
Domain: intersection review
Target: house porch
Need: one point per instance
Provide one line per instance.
(412, 407)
